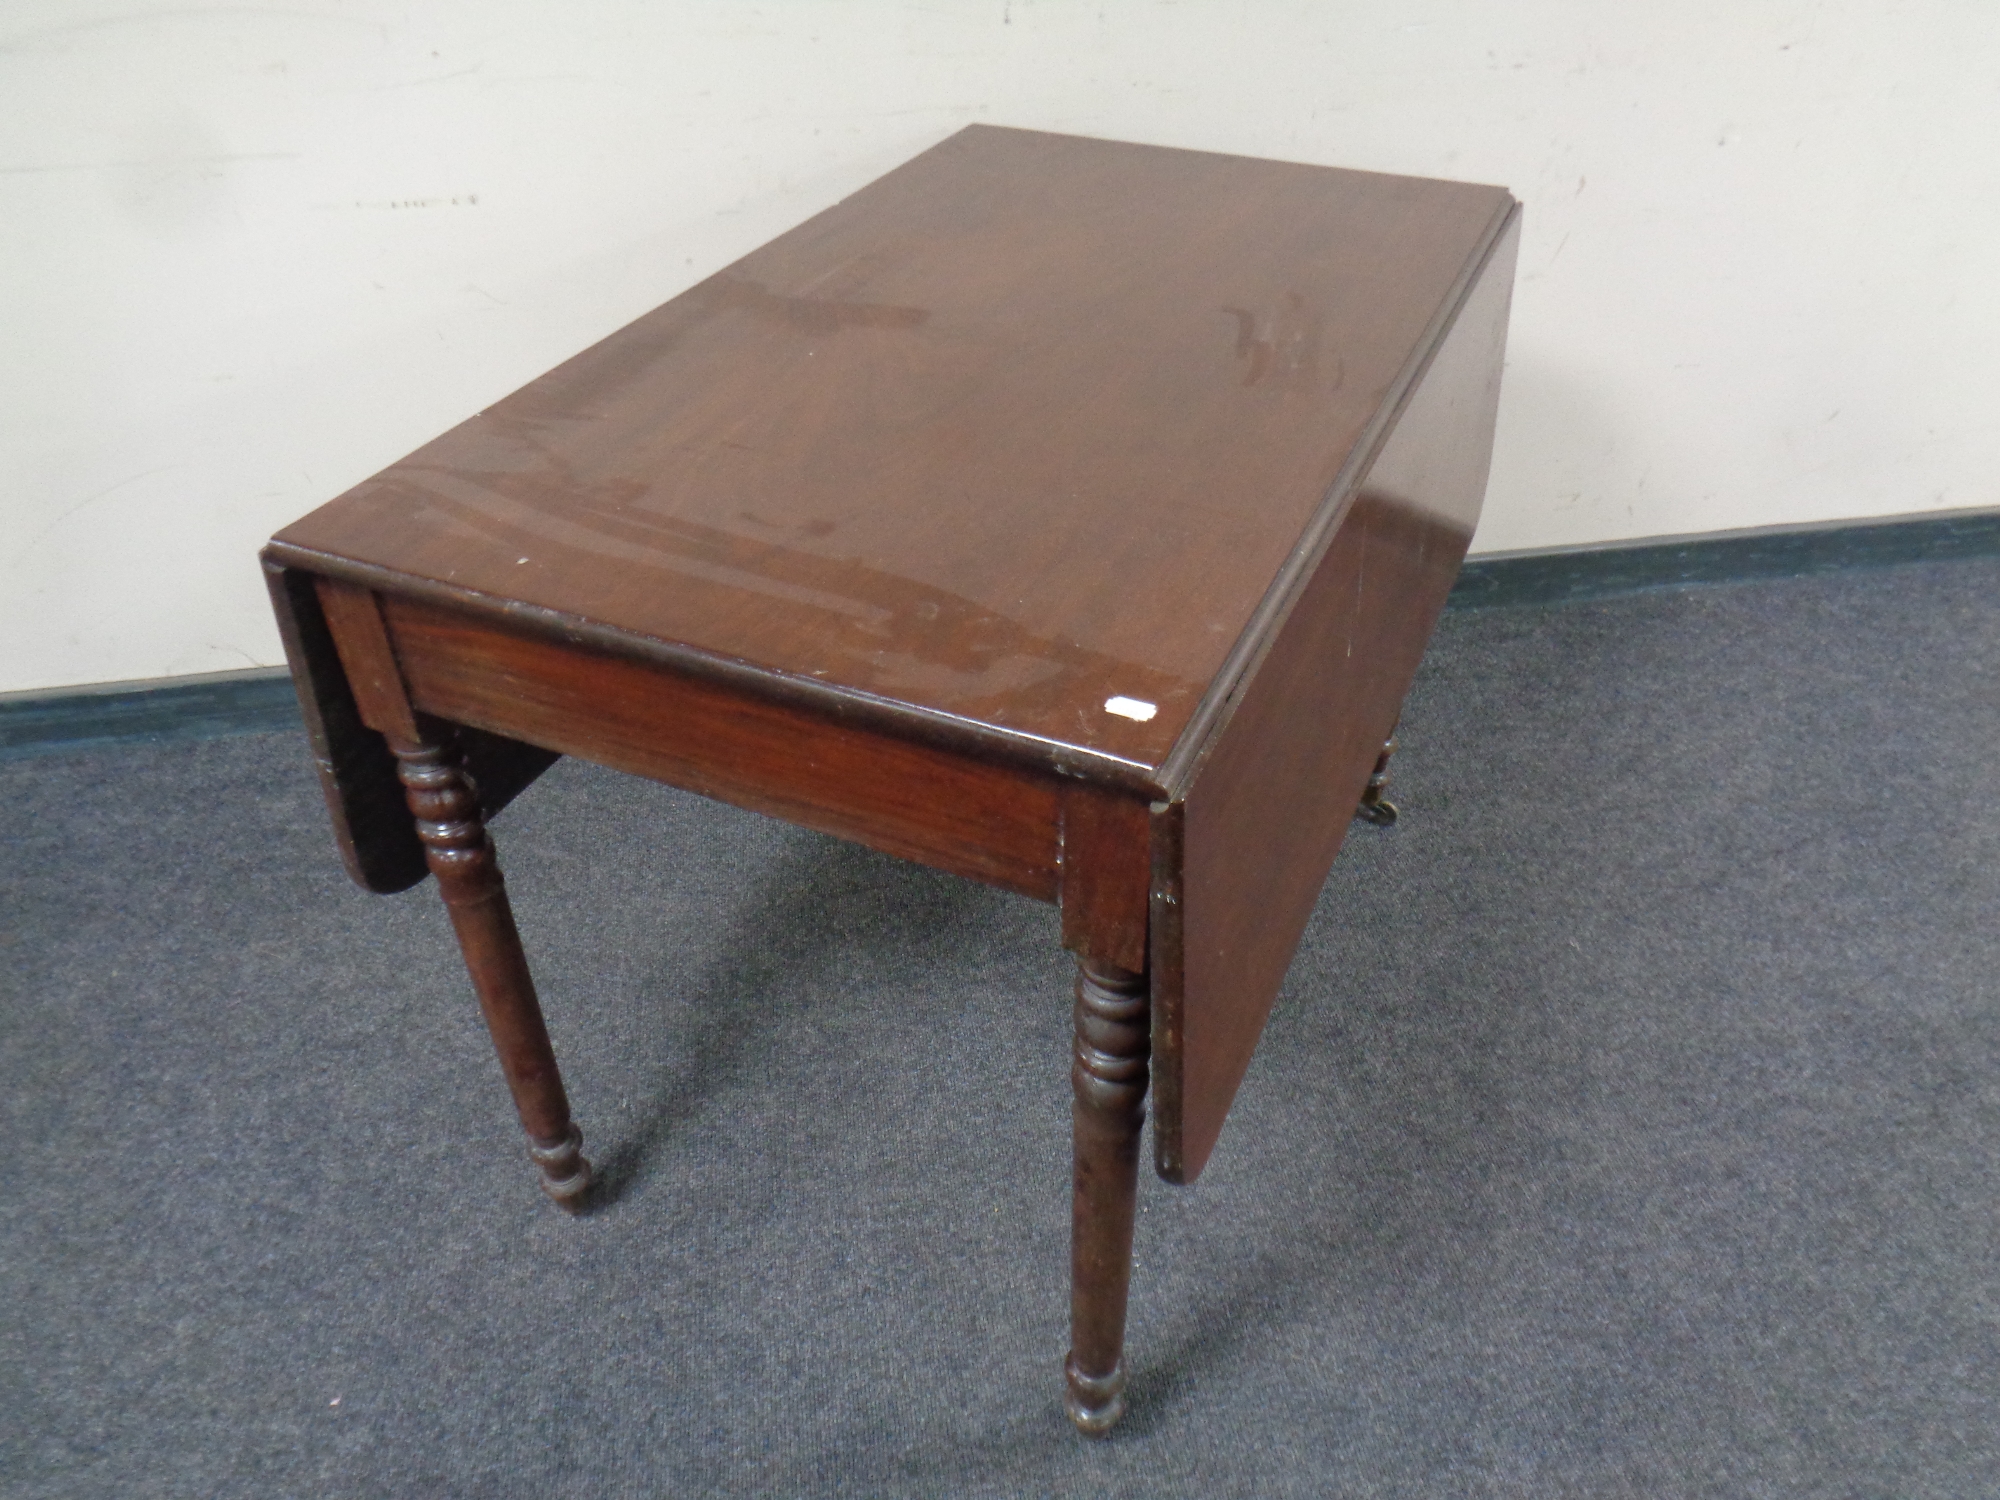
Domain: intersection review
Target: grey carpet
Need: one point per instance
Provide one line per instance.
(1630, 1124)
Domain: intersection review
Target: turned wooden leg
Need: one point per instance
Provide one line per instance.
(1108, 1075)
(1374, 806)
(446, 808)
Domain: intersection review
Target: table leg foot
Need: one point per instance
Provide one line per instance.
(446, 807)
(1109, 1077)
(1375, 808)
(565, 1171)
(1094, 1402)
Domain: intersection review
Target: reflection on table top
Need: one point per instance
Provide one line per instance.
(1021, 433)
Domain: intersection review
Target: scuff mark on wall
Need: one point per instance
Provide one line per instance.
(468, 200)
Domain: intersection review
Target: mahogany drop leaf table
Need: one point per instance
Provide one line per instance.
(1065, 514)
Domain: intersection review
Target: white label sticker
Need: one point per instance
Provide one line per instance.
(1130, 708)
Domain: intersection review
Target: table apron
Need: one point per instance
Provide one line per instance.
(992, 822)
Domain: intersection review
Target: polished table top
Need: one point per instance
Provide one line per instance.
(1029, 426)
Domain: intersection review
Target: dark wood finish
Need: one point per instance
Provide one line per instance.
(1029, 423)
(1375, 805)
(354, 615)
(461, 856)
(1108, 1078)
(956, 736)
(1065, 514)
(1107, 875)
(1241, 856)
(444, 805)
(993, 822)
(357, 774)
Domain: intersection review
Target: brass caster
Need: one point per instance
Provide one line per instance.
(1381, 813)
(565, 1173)
(1094, 1402)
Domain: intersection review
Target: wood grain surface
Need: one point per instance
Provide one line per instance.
(881, 528)
(992, 822)
(357, 773)
(1027, 425)
(1240, 859)
(1065, 514)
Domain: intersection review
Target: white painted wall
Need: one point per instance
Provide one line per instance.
(248, 256)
